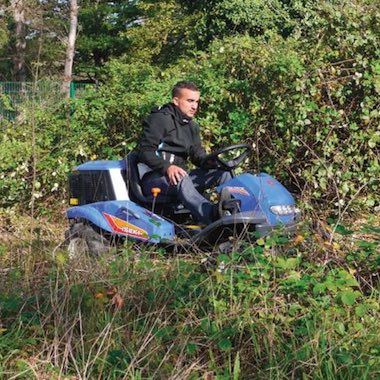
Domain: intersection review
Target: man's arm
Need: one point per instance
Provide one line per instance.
(153, 132)
(197, 152)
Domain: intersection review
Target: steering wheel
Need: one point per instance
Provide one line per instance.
(228, 164)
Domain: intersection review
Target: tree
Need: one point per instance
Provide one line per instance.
(101, 36)
(70, 50)
(4, 36)
(165, 32)
(3, 26)
(19, 58)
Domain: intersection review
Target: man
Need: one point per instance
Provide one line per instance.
(170, 138)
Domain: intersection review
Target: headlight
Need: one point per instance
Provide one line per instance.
(284, 210)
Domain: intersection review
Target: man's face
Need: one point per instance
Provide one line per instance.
(187, 101)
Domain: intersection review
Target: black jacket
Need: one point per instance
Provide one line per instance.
(169, 137)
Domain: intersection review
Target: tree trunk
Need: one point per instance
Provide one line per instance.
(19, 58)
(70, 50)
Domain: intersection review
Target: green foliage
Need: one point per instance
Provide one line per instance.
(45, 30)
(165, 32)
(3, 34)
(101, 36)
(307, 99)
(253, 16)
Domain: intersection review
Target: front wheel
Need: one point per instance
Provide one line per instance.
(83, 239)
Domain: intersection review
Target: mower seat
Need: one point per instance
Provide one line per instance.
(134, 174)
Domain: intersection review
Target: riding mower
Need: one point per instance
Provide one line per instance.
(109, 207)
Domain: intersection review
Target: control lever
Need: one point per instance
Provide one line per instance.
(155, 192)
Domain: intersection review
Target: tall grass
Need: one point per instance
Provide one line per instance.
(276, 309)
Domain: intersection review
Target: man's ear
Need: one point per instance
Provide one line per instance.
(175, 100)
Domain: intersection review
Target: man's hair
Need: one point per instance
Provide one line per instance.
(183, 84)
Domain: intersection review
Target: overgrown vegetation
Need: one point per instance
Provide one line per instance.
(278, 308)
(300, 81)
(308, 102)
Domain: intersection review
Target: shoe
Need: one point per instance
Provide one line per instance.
(227, 204)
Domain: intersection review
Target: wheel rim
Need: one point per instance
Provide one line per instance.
(77, 248)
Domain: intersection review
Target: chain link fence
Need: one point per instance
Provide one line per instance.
(14, 94)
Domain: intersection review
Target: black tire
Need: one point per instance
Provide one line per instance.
(83, 239)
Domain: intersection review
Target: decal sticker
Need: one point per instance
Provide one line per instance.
(238, 190)
(124, 228)
(155, 222)
(152, 215)
(270, 182)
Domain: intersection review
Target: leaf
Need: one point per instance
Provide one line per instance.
(343, 230)
(223, 258)
(118, 301)
(298, 239)
(191, 348)
(370, 246)
(225, 344)
(344, 358)
(347, 279)
(60, 258)
(294, 275)
(290, 263)
(370, 229)
(349, 297)
(361, 310)
(340, 328)
(319, 288)
(293, 309)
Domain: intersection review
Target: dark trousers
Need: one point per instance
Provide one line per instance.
(189, 190)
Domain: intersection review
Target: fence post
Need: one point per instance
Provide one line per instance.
(72, 90)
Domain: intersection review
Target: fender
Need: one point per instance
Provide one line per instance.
(125, 218)
(260, 192)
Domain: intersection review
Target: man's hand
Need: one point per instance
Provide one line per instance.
(175, 174)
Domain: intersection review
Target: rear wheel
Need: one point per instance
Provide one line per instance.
(83, 239)
(230, 246)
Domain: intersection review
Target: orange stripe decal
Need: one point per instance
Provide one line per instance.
(238, 190)
(124, 228)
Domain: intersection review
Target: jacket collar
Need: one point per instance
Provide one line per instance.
(172, 109)
(180, 116)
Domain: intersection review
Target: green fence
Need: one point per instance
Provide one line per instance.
(13, 94)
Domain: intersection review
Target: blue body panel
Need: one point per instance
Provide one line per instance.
(125, 218)
(259, 193)
(102, 165)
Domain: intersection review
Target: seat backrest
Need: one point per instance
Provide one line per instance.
(133, 180)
